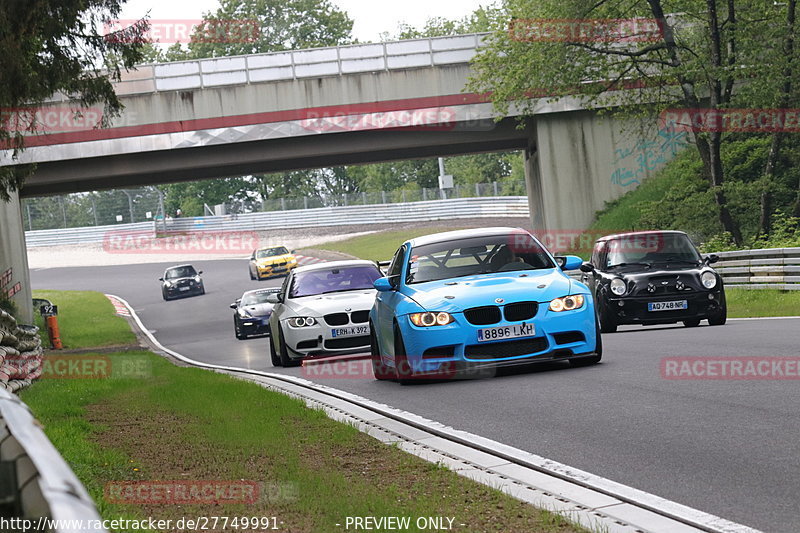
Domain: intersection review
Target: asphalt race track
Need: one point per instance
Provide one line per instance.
(731, 448)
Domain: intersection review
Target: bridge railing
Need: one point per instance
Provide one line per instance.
(298, 64)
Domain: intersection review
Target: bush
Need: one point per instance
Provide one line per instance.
(8, 306)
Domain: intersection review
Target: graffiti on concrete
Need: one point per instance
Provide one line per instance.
(645, 156)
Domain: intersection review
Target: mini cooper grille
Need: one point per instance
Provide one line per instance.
(520, 311)
(359, 317)
(347, 342)
(482, 316)
(336, 319)
(500, 350)
(666, 285)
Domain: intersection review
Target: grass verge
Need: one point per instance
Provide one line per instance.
(379, 246)
(85, 319)
(177, 423)
(744, 303)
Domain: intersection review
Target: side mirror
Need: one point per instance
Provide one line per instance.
(587, 267)
(160, 279)
(199, 272)
(234, 306)
(711, 259)
(569, 262)
(274, 298)
(383, 285)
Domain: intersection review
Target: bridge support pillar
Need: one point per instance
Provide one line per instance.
(14, 275)
(533, 182)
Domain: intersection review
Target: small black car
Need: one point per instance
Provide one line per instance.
(653, 277)
(251, 313)
(181, 280)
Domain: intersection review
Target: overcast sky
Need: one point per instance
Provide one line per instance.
(371, 17)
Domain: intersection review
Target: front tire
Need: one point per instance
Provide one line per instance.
(273, 353)
(693, 323)
(598, 349)
(379, 369)
(720, 317)
(237, 330)
(402, 369)
(607, 323)
(286, 361)
(250, 271)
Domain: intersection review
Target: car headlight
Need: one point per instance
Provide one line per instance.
(429, 319)
(197, 279)
(243, 313)
(169, 284)
(709, 280)
(567, 303)
(618, 286)
(302, 322)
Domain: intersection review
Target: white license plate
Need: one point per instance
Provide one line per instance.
(352, 331)
(506, 332)
(668, 306)
(184, 288)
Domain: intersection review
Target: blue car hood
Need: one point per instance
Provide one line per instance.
(472, 291)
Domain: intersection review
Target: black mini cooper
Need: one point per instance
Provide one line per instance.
(181, 280)
(653, 277)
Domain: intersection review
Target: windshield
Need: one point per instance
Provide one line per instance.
(476, 255)
(333, 280)
(651, 248)
(180, 272)
(255, 298)
(271, 252)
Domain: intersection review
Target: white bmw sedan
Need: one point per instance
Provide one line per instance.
(322, 310)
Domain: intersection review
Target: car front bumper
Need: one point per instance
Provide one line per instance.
(265, 271)
(254, 325)
(558, 336)
(634, 309)
(320, 339)
(191, 290)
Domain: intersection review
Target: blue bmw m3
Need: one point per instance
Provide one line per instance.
(479, 298)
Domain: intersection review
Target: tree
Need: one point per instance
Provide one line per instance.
(695, 60)
(51, 46)
(483, 19)
(257, 26)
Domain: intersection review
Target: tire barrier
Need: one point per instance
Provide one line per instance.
(21, 354)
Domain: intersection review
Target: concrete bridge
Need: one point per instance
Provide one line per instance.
(331, 106)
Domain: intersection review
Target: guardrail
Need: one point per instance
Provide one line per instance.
(771, 268)
(42, 487)
(356, 215)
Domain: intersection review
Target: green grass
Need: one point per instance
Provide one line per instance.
(85, 320)
(623, 214)
(743, 303)
(178, 423)
(379, 246)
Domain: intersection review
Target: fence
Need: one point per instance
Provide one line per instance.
(356, 215)
(129, 206)
(775, 268)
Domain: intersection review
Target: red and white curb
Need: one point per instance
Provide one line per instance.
(592, 501)
(120, 307)
(303, 260)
